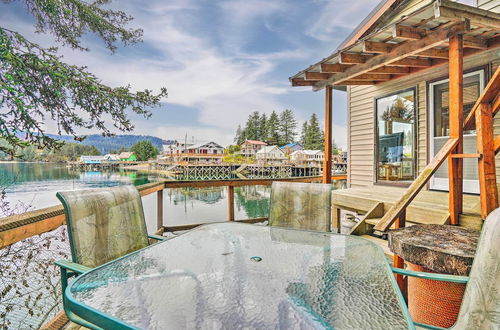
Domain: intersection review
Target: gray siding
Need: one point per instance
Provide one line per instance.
(361, 125)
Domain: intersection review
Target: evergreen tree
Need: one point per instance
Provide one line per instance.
(303, 134)
(273, 129)
(239, 138)
(288, 125)
(263, 128)
(252, 126)
(36, 84)
(314, 137)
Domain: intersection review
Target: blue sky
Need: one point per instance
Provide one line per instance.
(220, 60)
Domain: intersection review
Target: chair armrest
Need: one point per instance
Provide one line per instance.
(431, 276)
(157, 237)
(72, 266)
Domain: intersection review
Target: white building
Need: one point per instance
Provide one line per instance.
(270, 155)
(308, 157)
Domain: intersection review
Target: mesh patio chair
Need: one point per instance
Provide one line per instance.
(480, 307)
(103, 225)
(301, 205)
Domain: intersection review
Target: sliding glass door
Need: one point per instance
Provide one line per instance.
(439, 129)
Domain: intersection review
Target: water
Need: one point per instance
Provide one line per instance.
(27, 304)
(36, 184)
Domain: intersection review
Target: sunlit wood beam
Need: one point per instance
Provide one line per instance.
(317, 75)
(408, 32)
(353, 58)
(334, 67)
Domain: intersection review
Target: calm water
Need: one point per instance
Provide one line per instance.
(37, 183)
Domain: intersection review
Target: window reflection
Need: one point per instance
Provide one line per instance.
(396, 137)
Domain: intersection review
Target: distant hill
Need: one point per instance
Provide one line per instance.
(106, 143)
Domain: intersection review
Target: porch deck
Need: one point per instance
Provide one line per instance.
(429, 207)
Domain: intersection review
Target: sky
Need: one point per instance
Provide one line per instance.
(219, 60)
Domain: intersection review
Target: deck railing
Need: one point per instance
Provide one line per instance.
(21, 226)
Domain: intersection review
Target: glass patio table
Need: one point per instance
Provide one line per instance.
(234, 276)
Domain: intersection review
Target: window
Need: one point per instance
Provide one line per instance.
(395, 140)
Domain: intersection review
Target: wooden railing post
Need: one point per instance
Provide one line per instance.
(327, 163)
(399, 262)
(230, 201)
(456, 118)
(159, 209)
(488, 193)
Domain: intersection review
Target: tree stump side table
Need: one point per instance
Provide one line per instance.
(435, 249)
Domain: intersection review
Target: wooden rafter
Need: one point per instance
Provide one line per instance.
(408, 32)
(373, 77)
(334, 68)
(394, 57)
(302, 82)
(317, 75)
(377, 47)
(435, 53)
(353, 58)
(453, 11)
(392, 70)
(412, 62)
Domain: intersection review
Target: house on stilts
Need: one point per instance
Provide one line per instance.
(422, 80)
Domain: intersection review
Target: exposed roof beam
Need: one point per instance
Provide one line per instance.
(317, 75)
(357, 82)
(435, 53)
(377, 47)
(353, 58)
(391, 70)
(334, 67)
(477, 43)
(456, 11)
(410, 48)
(408, 32)
(410, 62)
(302, 82)
(372, 77)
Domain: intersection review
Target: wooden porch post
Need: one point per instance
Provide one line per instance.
(230, 201)
(456, 118)
(488, 194)
(327, 163)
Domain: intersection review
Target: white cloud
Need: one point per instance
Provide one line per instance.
(339, 14)
(224, 83)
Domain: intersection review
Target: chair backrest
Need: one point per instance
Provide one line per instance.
(481, 304)
(301, 205)
(104, 224)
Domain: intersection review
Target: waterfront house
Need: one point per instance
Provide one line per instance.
(92, 159)
(270, 155)
(309, 158)
(208, 152)
(250, 147)
(291, 147)
(127, 156)
(111, 157)
(175, 147)
(403, 111)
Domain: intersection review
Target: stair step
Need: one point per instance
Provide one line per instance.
(382, 243)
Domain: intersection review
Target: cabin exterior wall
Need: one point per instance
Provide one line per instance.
(361, 116)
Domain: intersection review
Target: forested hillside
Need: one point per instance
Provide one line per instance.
(106, 143)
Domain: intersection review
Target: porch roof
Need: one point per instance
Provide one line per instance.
(414, 42)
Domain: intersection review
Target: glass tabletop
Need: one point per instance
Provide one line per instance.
(233, 276)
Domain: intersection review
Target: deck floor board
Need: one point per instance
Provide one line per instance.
(429, 207)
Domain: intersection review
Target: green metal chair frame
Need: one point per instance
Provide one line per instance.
(480, 305)
(89, 216)
(299, 205)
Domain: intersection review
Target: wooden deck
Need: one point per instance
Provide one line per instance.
(429, 207)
